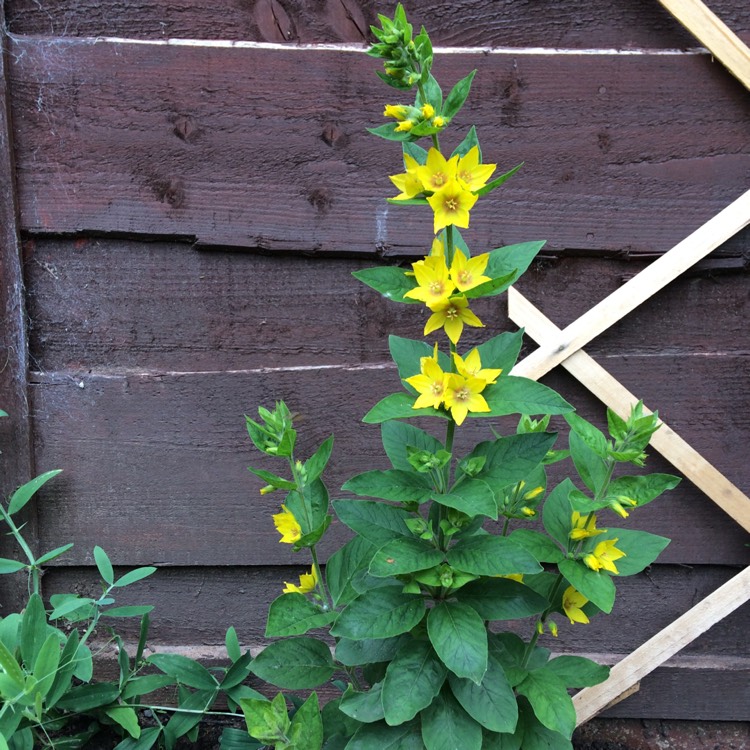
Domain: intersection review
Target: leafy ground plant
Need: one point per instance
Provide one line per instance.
(49, 697)
(421, 605)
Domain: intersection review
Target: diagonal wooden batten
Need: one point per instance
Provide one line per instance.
(665, 644)
(611, 392)
(656, 276)
(718, 38)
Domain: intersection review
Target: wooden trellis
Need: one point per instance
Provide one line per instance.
(565, 348)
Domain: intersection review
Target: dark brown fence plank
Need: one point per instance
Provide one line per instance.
(504, 23)
(187, 601)
(16, 460)
(624, 153)
(156, 463)
(98, 304)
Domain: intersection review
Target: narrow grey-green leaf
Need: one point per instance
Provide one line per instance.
(26, 491)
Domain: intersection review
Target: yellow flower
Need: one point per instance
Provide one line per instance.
(430, 383)
(471, 174)
(582, 530)
(451, 205)
(307, 583)
(471, 367)
(407, 182)
(603, 557)
(434, 281)
(451, 314)
(438, 122)
(437, 247)
(437, 172)
(405, 126)
(463, 395)
(467, 272)
(513, 577)
(572, 603)
(531, 494)
(286, 524)
(396, 111)
(428, 111)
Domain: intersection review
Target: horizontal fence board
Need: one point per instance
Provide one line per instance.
(229, 146)
(187, 601)
(156, 463)
(708, 680)
(116, 304)
(564, 23)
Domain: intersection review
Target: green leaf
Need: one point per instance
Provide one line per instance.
(306, 731)
(52, 554)
(46, 664)
(397, 436)
(392, 484)
(416, 152)
(72, 607)
(469, 141)
(457, 96)
(376, 522)
(126, 717)
(232, 644)
(643, 489)
(473, 497)
(315, 465)
(356, 653)
(399, 406)
(379, 736)
(33, 630)
(590, 467)
(134, 575)
(591, 435)
(549, 698)
(459, 638)
(640, 548)
(146, 684)
(135, 610)
(295, 614)
(389, 132)
(557, 513)
(11, 667)
(273, 479)
(310, 508)
(366, 707)
(295, 663)
(10, 566)
(510, 459)
(266, 720)
(64, 673)
(185, 670)
(596, 586)
(379, 613)
(511, 259)
(237, 739)
(343, 564)
(446, 726)
(391, 281)
(407, 354)
(88, 697)
(492, 703)
(189, 714)
(404, 555)
(493, 184)
(104, 565)
(501, 599)
(535, 736)
(26, 491)
(489, 555)
(578, 671)
(493, 287)
(541, 546)
(413, 678)
(237, 673)
(146, 740)
(501, 351)
(515, 395)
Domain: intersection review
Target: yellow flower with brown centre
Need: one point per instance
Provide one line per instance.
(286, 524)
(468, 272)
(471, 367)
(464, 395)
(437, 171)
(470, 173)
(451, 314)
(430, 383)
(573, 602)
(433, 279)
(451, 205)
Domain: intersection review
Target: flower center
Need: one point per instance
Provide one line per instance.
(451, 204)
(436, 288)
(464, 277)
(437, 389)
(438, 179)
(463, 394)
(452, 313)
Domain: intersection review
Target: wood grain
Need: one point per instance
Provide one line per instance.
(156, 463)
(563, 24)
(187, 142)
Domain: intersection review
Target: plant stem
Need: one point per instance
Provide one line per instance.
(321, 578)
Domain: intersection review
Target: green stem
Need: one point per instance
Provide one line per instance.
(542, 619)
(33, 568)
(320, 578)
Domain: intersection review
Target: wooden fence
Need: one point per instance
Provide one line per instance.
(189, 187)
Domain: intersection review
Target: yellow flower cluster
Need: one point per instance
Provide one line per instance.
(450, 185)
(408, 117)
(442, 289)
(460, 392)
